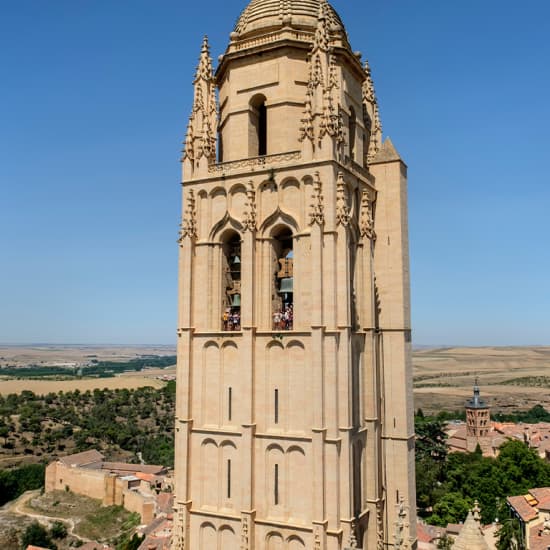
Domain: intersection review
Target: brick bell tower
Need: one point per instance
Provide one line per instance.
(294, 397)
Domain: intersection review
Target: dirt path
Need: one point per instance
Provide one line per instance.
(17, 506)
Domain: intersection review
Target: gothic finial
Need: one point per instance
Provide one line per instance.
(188, 226)
(476, 511)
(317, 209)
(201, 135)
(372, 115)
(342, 210)
(366, 225)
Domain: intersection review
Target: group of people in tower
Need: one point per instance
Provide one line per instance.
(231, 319)
(283, 318)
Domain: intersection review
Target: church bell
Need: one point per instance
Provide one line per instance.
(286, 285)
(236, 301)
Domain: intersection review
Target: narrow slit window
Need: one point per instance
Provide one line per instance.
(276, 485)
(229, 479)
(229, 404)
(276, 405)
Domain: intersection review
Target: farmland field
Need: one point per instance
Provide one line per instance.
(510, 378)
(42, 387)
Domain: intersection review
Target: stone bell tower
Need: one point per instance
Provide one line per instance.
(294, 397)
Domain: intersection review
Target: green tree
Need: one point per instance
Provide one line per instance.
(445, 542)
(451, 508)
(430, 439)
(37, 535)
(58, 530)
(510, 535)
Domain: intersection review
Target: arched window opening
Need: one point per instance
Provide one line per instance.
(231, 274)
(257, 135)
(352, 130)
(282, 295)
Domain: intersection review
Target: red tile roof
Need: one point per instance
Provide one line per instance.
(522, 507)
(542, 494)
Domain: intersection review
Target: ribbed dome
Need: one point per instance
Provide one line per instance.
(265, 14)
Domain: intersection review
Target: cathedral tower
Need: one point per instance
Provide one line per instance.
(294, 397)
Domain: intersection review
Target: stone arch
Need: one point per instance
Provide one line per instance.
(225, 224)
(218, 203)
(229, 482)
(274, 541)
(210, 383)
(276, 385)
(207, 536)
(298, 387)
(227, 537)
(237, 201)
(203, 214)
(296, 486)
(275, 221)
(291, 197)
(295, 543)
(267, 198)
(275, 479)
(209, 473)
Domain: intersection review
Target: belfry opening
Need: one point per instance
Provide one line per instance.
(231, 276)
(283, 279)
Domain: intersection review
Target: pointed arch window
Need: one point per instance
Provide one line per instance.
(231, 277)
(282, 292)
(257, 131)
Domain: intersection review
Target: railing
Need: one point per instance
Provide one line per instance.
(254, 162)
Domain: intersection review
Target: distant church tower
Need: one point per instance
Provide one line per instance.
(478, 422)
(294, 425)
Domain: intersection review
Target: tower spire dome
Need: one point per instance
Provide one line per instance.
(261, 15)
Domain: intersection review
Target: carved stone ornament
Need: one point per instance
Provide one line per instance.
(244, 533)
(401, 542)
(188, 226)
(352, 537)
(201, 131)
(372, 122)
(178, 535)
(320, 109)
(317, 208)
(249, 219)
(366, 223)
(342, 210)
(317, 539)
(379, 525)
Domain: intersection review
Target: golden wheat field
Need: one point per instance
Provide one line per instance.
(509, 377)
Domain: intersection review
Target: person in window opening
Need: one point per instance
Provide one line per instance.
(225, 319)
(283, 320)
(236, 320)
(231, 319)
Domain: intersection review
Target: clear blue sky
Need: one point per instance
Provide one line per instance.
(94, 101)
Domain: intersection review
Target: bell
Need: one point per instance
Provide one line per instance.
(236, 300)
(236, 260)
(286, 285)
